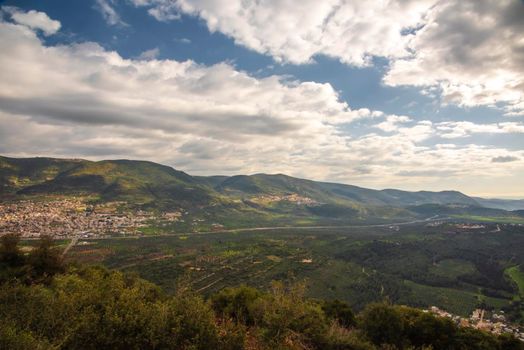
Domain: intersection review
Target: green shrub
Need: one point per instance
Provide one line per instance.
(339, 311)
(94, 308)
(236, 303)
(382, 323)
(284, 315)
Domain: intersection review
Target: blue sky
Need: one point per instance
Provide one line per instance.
(369, 94)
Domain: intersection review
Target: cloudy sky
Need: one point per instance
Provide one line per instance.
(383, 94)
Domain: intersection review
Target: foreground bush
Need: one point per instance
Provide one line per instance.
(94, 308)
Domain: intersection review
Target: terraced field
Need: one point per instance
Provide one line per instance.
(449, 266)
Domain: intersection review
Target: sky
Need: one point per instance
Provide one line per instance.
(415, 95)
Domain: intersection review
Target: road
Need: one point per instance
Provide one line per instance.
(273, 228)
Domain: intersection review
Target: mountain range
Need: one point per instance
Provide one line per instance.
(259, 197)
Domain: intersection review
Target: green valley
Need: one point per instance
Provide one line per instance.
(452, 266)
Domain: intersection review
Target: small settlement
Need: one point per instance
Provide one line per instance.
(495, 323)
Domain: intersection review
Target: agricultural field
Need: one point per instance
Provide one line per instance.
(454, 266)
(517, 275)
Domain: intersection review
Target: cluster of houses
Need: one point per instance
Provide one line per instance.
(291, 197)
(67, 217)
(495, 323)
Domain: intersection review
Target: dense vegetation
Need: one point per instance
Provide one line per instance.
(46, 305)
(417, 265)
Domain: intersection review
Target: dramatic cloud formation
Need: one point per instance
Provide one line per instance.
(470, 52)
(353, 31)
(83, 100)
(179, 103)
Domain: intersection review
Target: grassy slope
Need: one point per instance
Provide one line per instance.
(470, 213)
(507, 218)
(517, 275)
(16, 173)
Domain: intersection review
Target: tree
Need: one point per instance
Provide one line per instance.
(425, 329)
(285, 315)
(45, 261)
(10, 253)
(382, 323)
(15, 339)
(12, 260)
(236, 303)
(339, 311)
(469, 338)
(509, 342)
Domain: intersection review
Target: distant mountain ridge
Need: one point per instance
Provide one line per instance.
(156, 185)
(505, 204)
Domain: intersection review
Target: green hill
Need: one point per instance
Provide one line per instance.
(332, 192)
(506, 204)
(133, 181)
(260, 197)
(16, 174)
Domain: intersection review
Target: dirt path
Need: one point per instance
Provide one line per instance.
(209, 285)
(71, 244)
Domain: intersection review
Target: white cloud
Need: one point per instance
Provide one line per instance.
(452, 130)
(33, 19)
(472, 51)
(173, 102)
(392, 122)
(212, 119)
(182, 40)
(161, 10)
(292, 31)
(109, 13)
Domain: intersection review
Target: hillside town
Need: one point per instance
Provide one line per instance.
(494, 323)
(69, 217)
(290, 197)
